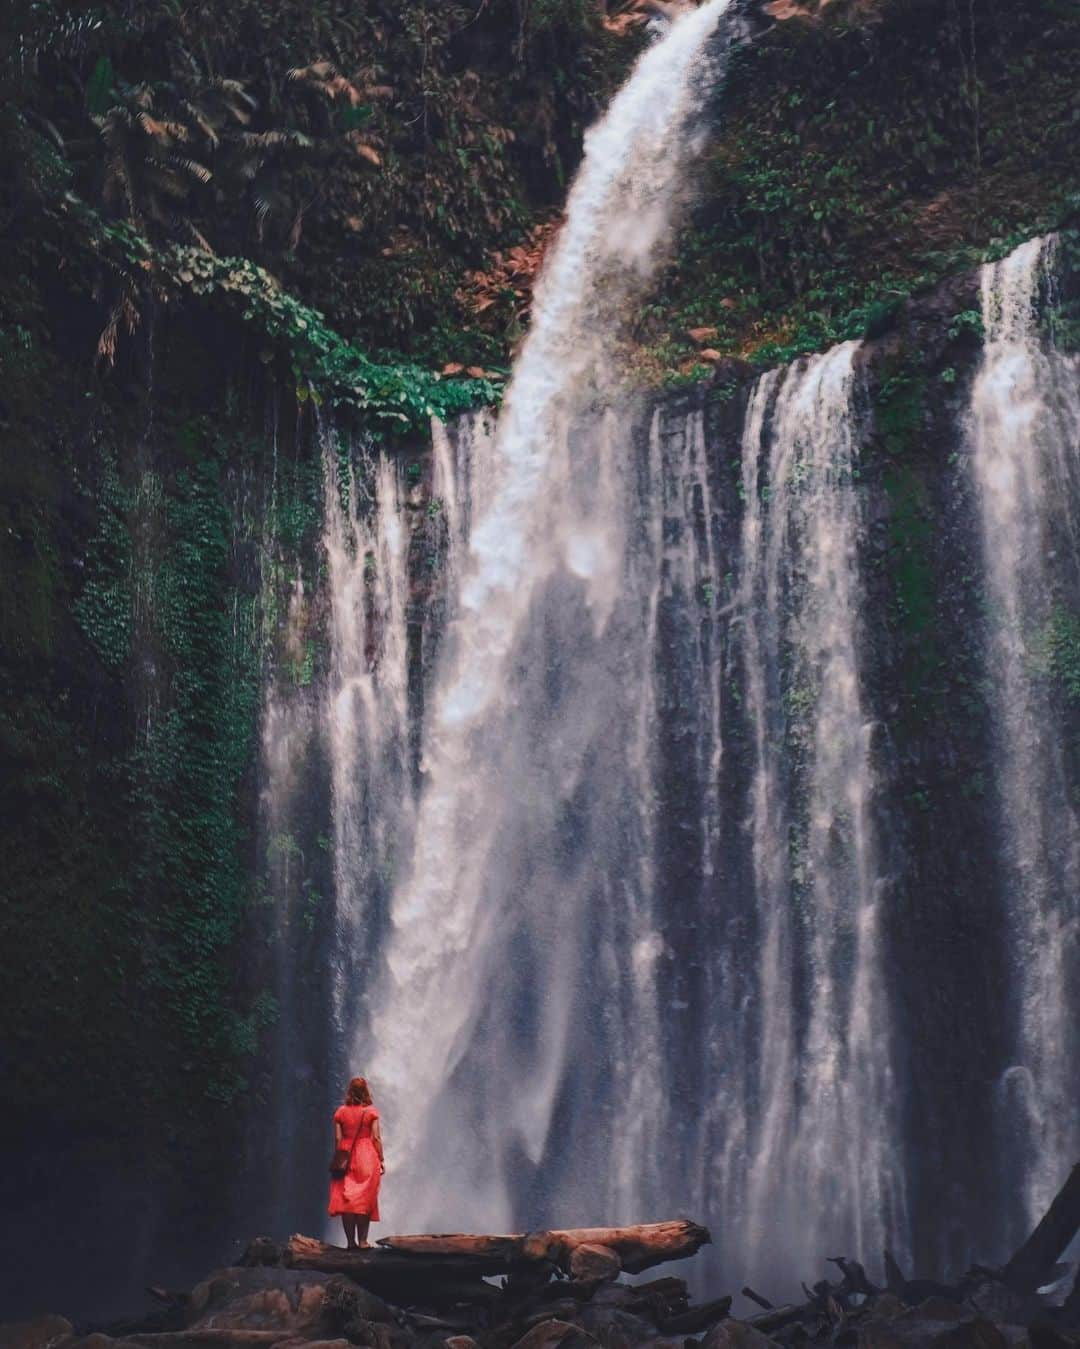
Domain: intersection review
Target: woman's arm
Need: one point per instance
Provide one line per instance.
(337, 1134)
(376, 1138)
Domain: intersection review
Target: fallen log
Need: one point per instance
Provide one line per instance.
(638, 1247)
(1029, 1266)
(373, 1263)
(402, 1280)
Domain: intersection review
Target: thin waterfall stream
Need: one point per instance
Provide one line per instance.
(1024, 432)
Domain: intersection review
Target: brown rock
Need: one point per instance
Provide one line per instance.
(204, 1337)
(590, 1262)
(556, 1335)
(938, 1309)
(736, 1335)
(974, 1334)
(258, 1298)
(261, 1251)
(269, 1309)
(39, 1333)
(298, 1342)
(94, 1341)
(918, 1333)
(886, 1307)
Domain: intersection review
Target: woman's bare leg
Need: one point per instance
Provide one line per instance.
(349, 1222)
(362, 1225)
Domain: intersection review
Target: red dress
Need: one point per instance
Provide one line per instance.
(358, 1190)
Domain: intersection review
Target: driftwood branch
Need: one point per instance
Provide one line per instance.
(1033, 1263)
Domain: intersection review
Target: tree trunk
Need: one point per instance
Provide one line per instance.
(638, 1248)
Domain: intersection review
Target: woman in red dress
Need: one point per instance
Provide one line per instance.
(354, 1196)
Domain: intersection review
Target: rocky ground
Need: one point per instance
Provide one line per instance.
(568, 1290)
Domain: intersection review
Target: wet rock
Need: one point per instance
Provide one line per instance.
(997, 1302)
(1045, 1335)
(907, 1332)
(611, 1323)
(261, 1251)
(736, 1335)
(886, 1307)
(556, 1335)
(40, 1333)
(223, 1286)
(96, 1340)
(299, 1342)
(346, 1303)
(260, 1298)
(600, 1263)
(938, 1309)
(975, 1334)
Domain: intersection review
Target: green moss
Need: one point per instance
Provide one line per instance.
(911, 557)
(104, 608)
(1057, 650)
(855, 165)
(899, 403)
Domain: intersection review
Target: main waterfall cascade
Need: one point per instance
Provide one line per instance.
(615, 836)
(525, 914)
(1024, 432)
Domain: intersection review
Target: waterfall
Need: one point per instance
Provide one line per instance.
(619, 791)
(1024, 438)
(821, 1120)
(523, 948)
(367, 710)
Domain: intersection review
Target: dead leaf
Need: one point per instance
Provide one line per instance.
(700, 334)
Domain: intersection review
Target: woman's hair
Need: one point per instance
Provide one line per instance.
(359, 1093)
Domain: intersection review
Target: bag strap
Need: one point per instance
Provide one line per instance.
(356, 1138)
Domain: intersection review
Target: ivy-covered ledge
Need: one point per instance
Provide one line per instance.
(390, 399)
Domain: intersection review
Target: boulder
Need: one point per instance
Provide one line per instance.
(998, 1302)
(938, 1309)
(261, 1251)
(886, 1307)
(299, 1342)
(736, 1335)
(610, 1323)
(589, 1263)
(296, 1311)
(259, 1298)
(912, 1332)
(39, 1333)
(556, 1335)
(345, 1303)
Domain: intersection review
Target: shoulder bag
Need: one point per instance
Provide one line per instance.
(342, 1158)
